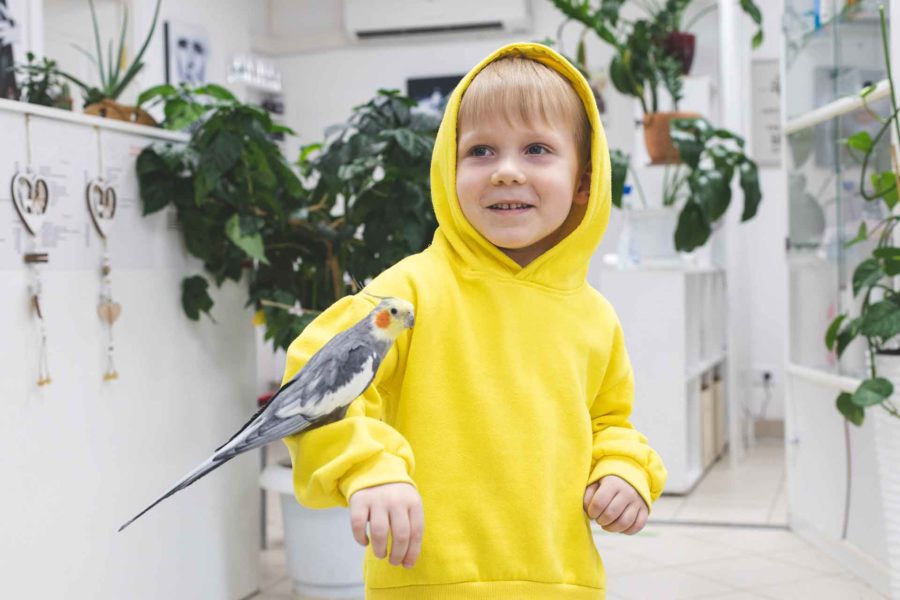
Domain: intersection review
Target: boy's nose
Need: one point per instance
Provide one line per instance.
(506, 174)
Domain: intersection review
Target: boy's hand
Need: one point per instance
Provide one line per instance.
(615, 505)
(393, 506)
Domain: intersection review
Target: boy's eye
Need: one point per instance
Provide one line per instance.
(479, 151)
(536, 149)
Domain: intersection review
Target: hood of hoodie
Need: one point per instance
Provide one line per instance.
(563, 266)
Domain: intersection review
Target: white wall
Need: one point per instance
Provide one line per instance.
(762, 245)
(81, 455)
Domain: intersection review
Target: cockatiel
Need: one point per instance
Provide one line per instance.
(320, 392)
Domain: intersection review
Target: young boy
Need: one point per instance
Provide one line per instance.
(497, 426)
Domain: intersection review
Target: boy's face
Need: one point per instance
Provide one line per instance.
(519, 184)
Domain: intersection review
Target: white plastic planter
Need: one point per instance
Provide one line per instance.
(323, 559)
(648, 236)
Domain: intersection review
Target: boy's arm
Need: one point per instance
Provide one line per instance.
(618, 448)
(359, 451)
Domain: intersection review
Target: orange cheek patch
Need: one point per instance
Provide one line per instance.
(383, 319)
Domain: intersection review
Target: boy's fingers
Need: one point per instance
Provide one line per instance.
(399, 519)
(626, 520)
(359, 516)
(416, 531)
(378, 530)
(603, 497)
(639, 522)
(588, 494)
(613, 510)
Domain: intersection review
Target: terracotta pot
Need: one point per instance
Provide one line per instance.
(113, 110)
(657, 138)
(680, 45)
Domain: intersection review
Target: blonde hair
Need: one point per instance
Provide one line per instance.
(517, 87)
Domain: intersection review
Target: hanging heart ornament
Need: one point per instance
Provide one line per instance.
(31, 197)
(102, 202)
(109, 311)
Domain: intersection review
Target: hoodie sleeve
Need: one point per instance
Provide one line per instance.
(332, 462)
(618, 448)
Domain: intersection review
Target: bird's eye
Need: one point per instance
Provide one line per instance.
(393, 311)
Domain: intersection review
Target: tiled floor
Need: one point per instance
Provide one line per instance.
(726, 541)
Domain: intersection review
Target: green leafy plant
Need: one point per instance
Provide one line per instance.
(114, 74)
(42, 83)
(362, 203)
(641, 65)
(374, 174)
(702, 182)
(874, 278)
(672, 13)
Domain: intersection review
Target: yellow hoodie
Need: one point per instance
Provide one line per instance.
(506, 400)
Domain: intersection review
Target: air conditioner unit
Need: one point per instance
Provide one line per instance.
(378, 19)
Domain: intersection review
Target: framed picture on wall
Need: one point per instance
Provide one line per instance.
(187, 53)
(11, 50)
(431, 92)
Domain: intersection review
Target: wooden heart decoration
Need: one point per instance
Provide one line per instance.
(31, 197)
(109, 311)
(102, 202)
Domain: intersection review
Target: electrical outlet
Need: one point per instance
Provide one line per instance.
(763, 376)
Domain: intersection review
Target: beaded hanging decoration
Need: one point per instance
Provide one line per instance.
(102, 201)
(31, 199)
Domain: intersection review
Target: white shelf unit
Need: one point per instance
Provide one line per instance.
(674, 322)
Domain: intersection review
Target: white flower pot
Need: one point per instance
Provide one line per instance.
(648, 236)
(887, 444)
(323, 559)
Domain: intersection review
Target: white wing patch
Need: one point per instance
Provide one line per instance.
(336, 398)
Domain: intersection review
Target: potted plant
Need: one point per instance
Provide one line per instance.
(641, 65)
(878, 319)
(679, 42)
(115, 75)
(701, 185)
(42, 83)
(364, 202)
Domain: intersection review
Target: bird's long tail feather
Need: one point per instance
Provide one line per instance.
(211, 464)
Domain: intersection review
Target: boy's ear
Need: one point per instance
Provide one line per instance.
(583, 190)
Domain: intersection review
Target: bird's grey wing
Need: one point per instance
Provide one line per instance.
(325, 387)
(335, 376)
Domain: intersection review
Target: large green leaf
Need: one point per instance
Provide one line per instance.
(885, 184)
(243, 234)
(861, 141)
(866, 274)
(690, 145)
(881, 320)
(713, 193)
(195, 297)
(853, 413)
(750, 186)
(872, 391)
(160, 181)
(831, 334)
(890, 259)
(693, 230)
(847, 335)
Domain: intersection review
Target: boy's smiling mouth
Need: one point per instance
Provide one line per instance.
(510, 206)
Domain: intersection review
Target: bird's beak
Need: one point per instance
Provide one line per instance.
(410, 320)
